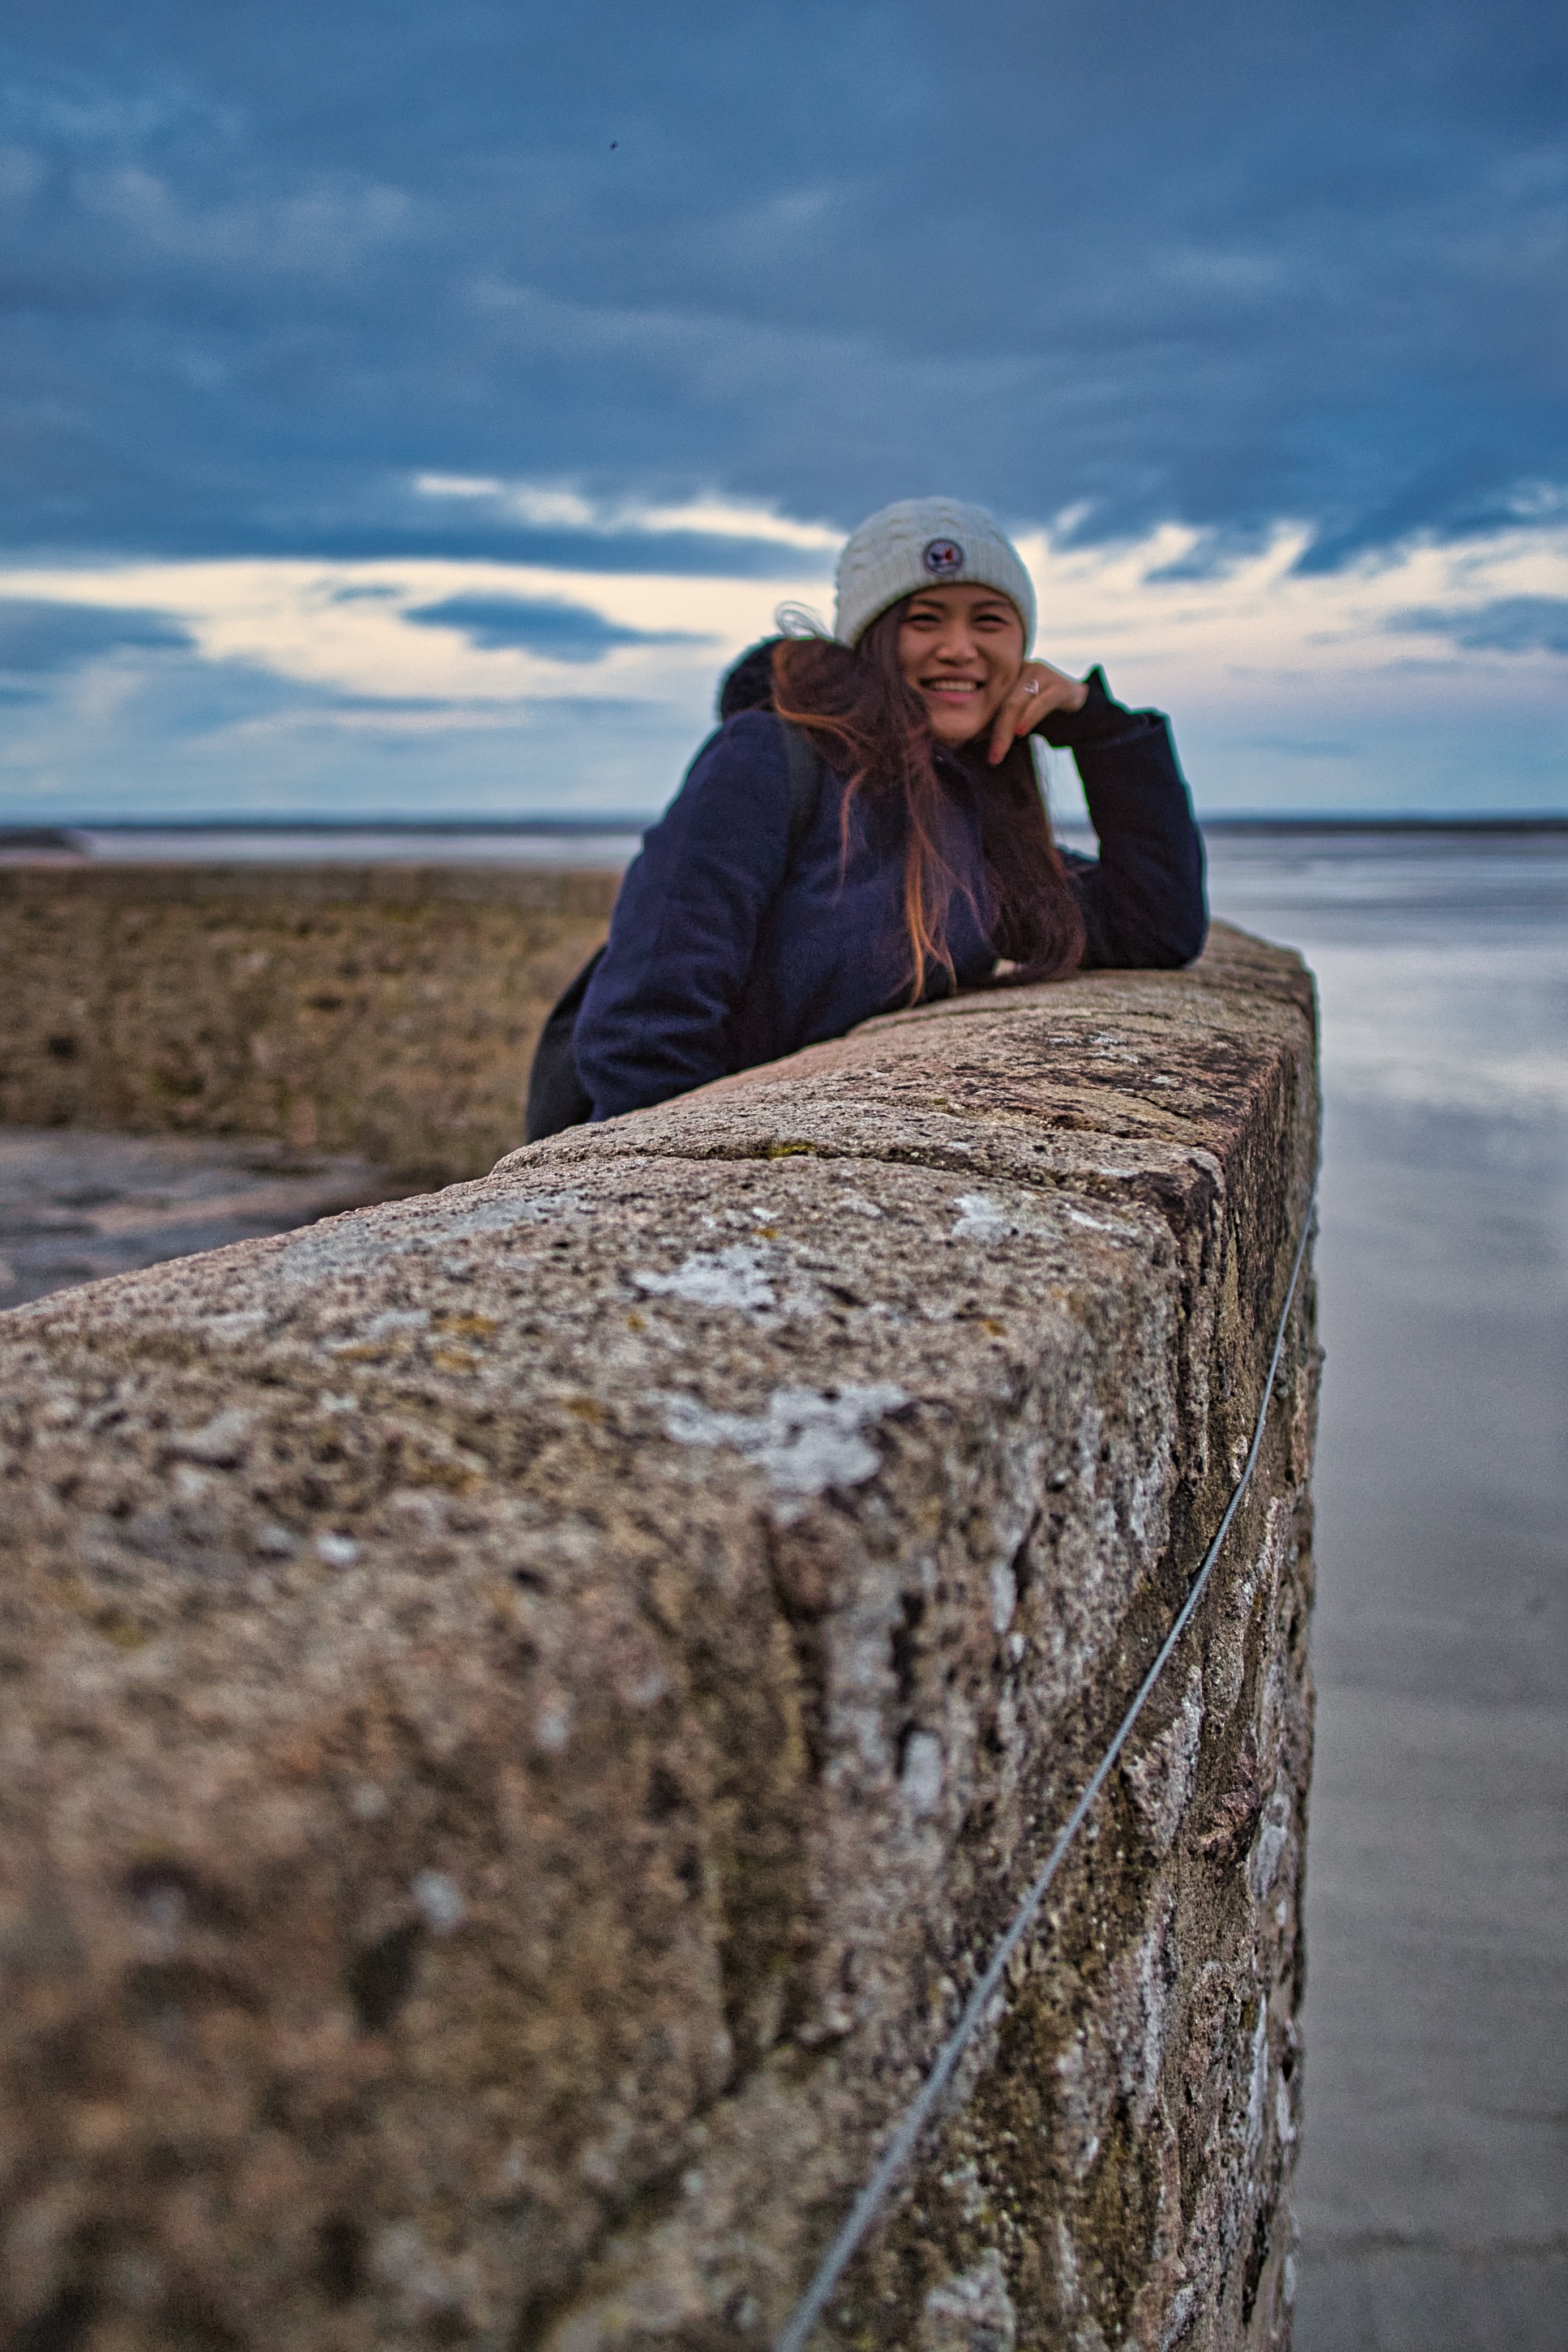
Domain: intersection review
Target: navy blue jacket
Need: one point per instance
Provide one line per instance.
(724, 952)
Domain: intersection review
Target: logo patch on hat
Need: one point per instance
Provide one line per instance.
(942, 558)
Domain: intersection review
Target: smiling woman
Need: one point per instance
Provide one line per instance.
(867, 830)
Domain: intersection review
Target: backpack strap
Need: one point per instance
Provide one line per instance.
(557, 1097)
(806, 773)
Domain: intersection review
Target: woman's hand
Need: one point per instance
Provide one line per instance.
(1040, 688)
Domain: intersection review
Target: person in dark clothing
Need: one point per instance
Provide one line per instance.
(749, 927)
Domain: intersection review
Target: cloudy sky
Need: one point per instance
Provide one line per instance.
(409, 410)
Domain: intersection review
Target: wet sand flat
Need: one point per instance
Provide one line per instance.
(77, 1206)
(1433, 2186)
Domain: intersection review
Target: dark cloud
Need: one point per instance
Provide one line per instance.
(1220, 267)
(1509, 625)
(189, 521)
(560, 632)
(37, 636)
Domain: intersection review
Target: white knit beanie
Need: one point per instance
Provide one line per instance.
(926, 543)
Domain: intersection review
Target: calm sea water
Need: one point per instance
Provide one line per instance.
(1434, 2178)
(612, 843)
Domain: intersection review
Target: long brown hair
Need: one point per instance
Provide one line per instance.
(873, 730)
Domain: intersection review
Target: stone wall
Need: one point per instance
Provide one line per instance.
(389, 1010)
(525, 1709)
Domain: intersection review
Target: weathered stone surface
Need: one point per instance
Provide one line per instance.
(526, 1708)
(389, 1010)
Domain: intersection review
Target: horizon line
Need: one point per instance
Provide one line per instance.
(60, 829)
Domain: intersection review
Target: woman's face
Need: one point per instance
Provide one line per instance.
(962, 650)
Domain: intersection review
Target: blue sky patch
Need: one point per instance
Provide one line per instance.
(1510, 624)
(38, 637)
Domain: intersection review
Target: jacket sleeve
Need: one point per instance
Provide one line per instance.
(1142, 902)
(658, 1017)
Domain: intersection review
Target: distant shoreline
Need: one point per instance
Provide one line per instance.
(75, 836)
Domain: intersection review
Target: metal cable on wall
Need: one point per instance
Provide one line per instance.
(906, 2134)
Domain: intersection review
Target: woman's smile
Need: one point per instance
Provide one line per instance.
(961, 649)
